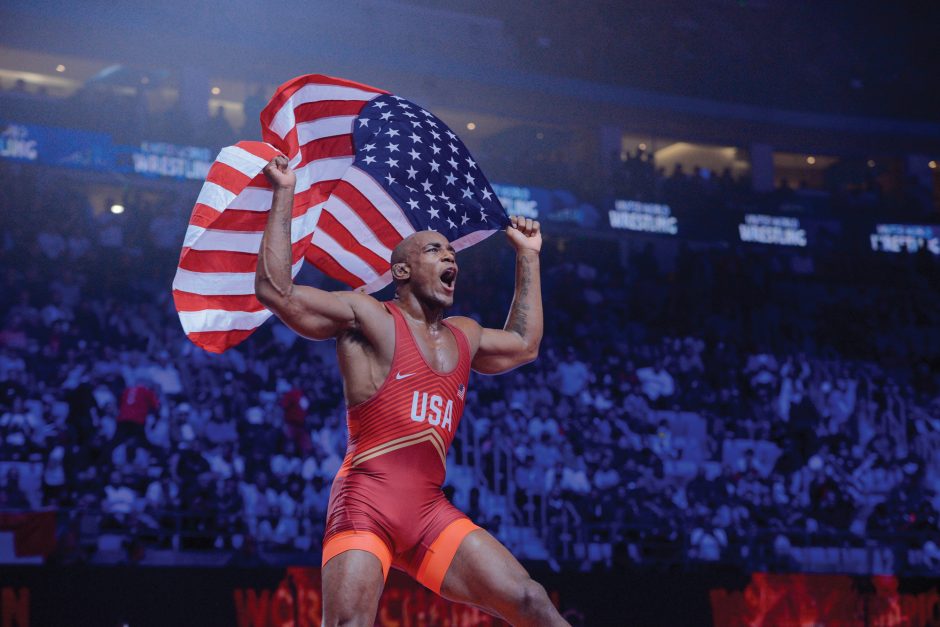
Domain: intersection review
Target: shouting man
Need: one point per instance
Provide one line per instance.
(405, 371)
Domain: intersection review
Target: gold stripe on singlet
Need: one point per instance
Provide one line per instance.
(428, 435)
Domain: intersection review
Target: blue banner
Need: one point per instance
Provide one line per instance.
(56, 146)
(62, 147)
(905, 238)
(160, 159)
(555, 205)
(643, 217)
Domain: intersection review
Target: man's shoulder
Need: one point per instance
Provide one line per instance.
(367, 310)
(358, 298)
(465, 324)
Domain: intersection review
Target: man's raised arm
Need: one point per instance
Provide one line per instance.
(518, 341)
(311, 312)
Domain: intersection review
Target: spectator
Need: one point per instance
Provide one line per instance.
(657, 384)
(138, 401)
(573, 375)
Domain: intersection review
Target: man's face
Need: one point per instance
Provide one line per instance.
(433, 268)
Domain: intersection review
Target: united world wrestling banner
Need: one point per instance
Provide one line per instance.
(272, 597)
(71, 148)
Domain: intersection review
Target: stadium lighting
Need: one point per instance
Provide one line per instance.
(471, 126)
(539, 135)
(871, 163)
(642, 146)
(811, 160)
(932, 165)
(216, 91)
(60, 68)
(117, 209)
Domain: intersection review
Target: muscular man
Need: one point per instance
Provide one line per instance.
(405, 372)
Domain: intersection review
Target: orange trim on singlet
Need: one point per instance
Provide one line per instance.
(357, 541)
(441, 554)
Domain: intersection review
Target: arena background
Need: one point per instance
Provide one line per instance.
(734, 418)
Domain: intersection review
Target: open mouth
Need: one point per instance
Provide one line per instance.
(449, 278)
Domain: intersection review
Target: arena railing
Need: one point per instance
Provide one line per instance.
(570, 540)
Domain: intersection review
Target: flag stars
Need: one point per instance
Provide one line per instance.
(404, 141)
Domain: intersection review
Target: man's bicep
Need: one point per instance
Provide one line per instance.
(499, 352)
(500, 342)
(315, 313)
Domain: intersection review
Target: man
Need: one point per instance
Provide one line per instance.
(405, 371)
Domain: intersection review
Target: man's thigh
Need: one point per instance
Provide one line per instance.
(484, 573)
(352, 586)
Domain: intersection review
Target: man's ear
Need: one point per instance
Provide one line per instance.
(401, 271)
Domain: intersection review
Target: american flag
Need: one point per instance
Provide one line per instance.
(372, 168)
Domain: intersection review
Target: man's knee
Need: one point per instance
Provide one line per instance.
(531, 599)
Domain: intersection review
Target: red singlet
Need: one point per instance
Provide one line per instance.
(386, 498)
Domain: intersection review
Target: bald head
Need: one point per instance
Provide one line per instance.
(404, 248)
(408, 248)
(414, 242)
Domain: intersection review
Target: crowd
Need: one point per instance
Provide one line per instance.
(532, 156)
(131, 107)
(686, 405)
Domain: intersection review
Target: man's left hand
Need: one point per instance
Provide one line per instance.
(525, 234)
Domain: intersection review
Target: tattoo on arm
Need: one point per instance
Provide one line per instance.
(519, 314)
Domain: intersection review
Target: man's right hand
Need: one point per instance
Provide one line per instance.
(279, 173)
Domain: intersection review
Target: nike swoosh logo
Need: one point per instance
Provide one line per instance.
(399, 375)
